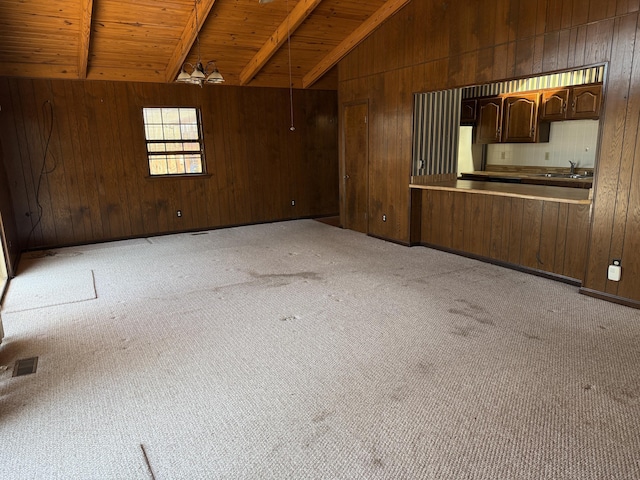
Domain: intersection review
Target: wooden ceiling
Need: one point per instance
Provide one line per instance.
(148, 40)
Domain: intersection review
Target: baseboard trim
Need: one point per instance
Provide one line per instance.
(171, 232)
(627, 302)
(390, 240)
(513, 266)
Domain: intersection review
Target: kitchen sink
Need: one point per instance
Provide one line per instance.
(562, 175)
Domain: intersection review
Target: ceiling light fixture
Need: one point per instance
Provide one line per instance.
(199, 74)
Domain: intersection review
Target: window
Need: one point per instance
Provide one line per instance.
(174, 141)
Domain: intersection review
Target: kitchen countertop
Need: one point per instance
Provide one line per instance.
(518, 190)
(528, 178)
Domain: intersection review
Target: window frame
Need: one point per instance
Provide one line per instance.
(184, 153)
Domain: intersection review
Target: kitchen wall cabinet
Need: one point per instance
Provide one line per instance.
(554, 105)
(571, 103)
(585, 102)
(468, 109)
(510, 119)
(521, 123)
(489, 123)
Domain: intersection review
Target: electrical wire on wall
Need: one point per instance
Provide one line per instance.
(47, 114)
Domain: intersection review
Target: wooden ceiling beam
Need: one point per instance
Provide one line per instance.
(188, 38)
(85, 38)
(300, 12)
(358, 35)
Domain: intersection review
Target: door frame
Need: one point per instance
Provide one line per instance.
(343, 160)
(5, 266)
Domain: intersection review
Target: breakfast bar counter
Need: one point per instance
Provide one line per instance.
(518, 190)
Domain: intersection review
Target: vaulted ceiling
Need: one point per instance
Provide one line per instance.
(149, 40)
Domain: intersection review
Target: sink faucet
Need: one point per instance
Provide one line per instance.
(573, 167)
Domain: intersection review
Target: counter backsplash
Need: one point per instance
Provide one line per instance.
(574, 140)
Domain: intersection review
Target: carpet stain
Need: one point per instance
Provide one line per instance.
(399, 394)
(322, 416)
(50, 253)
(320, 431)
(465, 332)
(283, 279)
(425, 368)
(472, 311)
(532, 337)
(627, 395)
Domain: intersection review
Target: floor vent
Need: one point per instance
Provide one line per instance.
(25, 366)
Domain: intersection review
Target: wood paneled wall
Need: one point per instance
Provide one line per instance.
(543, 235)
(95, 186)
(7, 220)
(432, 45)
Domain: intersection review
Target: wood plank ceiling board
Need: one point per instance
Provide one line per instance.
(148, 40)
(363, 31)
(39, 38)
(302, 10)
(135, 37)
(331, 22)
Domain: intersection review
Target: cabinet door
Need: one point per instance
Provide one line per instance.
(585, 102)
(554, 105)
(520, 118)
(489, 124)
(468, 111)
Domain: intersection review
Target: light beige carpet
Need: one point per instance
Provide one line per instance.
(302, 351)
(30, 291)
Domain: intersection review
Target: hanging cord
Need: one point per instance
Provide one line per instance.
(47, 111)
(292, 127)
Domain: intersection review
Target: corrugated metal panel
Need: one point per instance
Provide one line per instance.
(565, 79)
(435, 139)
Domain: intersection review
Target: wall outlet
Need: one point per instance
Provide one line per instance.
(614, 273)
(384, 218)
(179, 213)
(546, 155)
(503, 155)
(293, 203)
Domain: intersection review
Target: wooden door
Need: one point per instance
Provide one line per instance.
(489, 126)
(356, 166)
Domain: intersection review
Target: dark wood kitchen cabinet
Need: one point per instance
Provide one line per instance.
(571, 103)
(521, 122)
(489, 123)
(468, 111)
(554, 105)
(510, 119)
(585, 102)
